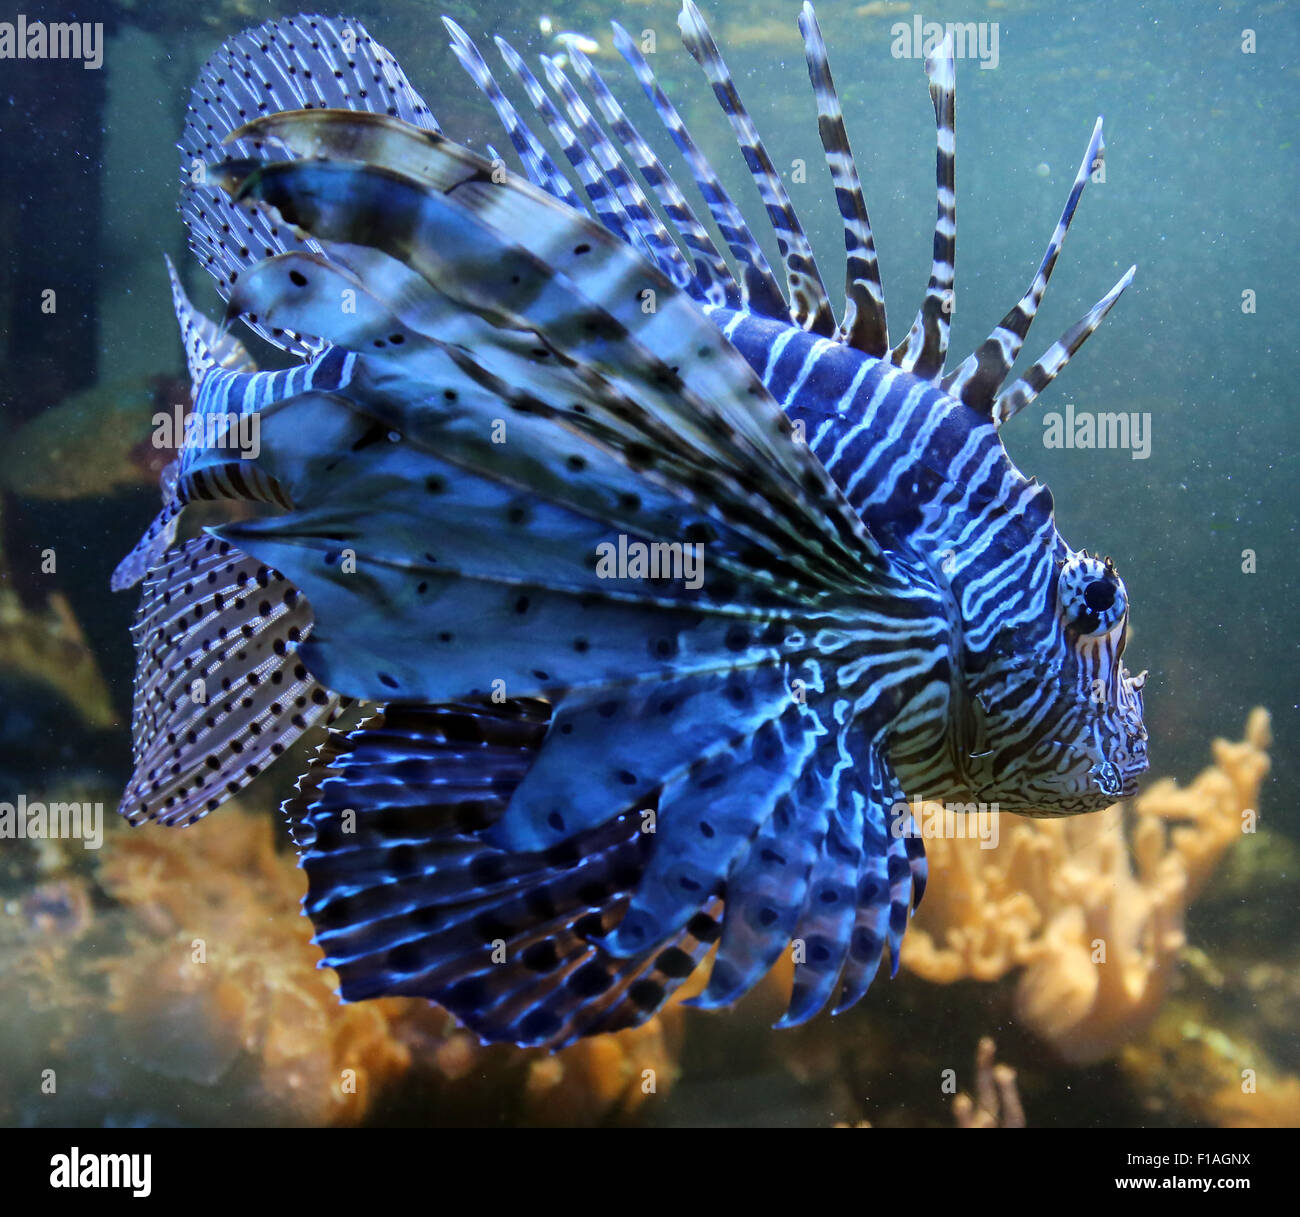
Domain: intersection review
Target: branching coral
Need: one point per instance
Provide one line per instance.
(221, 981)
(1091, 907)
(222, 988)
(997, 1098)
(45, 646)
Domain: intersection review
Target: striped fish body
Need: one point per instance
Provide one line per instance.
(931, 479)
(662, 589)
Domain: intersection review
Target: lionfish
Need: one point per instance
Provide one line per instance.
(571, 784)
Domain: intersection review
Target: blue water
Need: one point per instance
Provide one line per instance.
(1200, 182)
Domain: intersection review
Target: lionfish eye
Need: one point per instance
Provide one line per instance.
(1091, 596)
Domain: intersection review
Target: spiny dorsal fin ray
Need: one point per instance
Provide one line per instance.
(760, 292)
(606, 205)
(647, 224)
(863, 325)
(925, 348)
(541, 169)
(810, 307)
(1037, 378)
(981, 374)
(615, 200)
(716, 281)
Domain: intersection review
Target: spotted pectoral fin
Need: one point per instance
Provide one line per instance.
(219, 690)
(512, 254)
(323, 298)
(409, 896)
(507, 408)
(146, 553)
(827, 877)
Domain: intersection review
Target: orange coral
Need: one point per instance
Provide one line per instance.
(223, 975)
(224, 985)
(1095, 923)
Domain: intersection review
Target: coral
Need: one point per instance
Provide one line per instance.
(1091, 907)
(997, 1098)
(95, 442)
(1196, 1069)
(608, 1077)
(47, 647)
(221, 982)
(222, 988)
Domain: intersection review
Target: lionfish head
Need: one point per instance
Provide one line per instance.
(1084, 745)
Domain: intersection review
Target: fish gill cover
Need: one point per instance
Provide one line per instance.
(662, 589)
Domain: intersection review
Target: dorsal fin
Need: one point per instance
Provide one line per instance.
(810, 307)
(981, 374)
(605, 202)
(863, 325)
(538, 164)
(647, 224)
(1037, 378)
(715, 279)
(759, 290)
(925, 348)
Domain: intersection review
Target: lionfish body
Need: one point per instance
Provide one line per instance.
(573, 782)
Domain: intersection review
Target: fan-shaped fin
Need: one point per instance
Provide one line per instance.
(456, 236)
(219, 691)
(414, 899)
